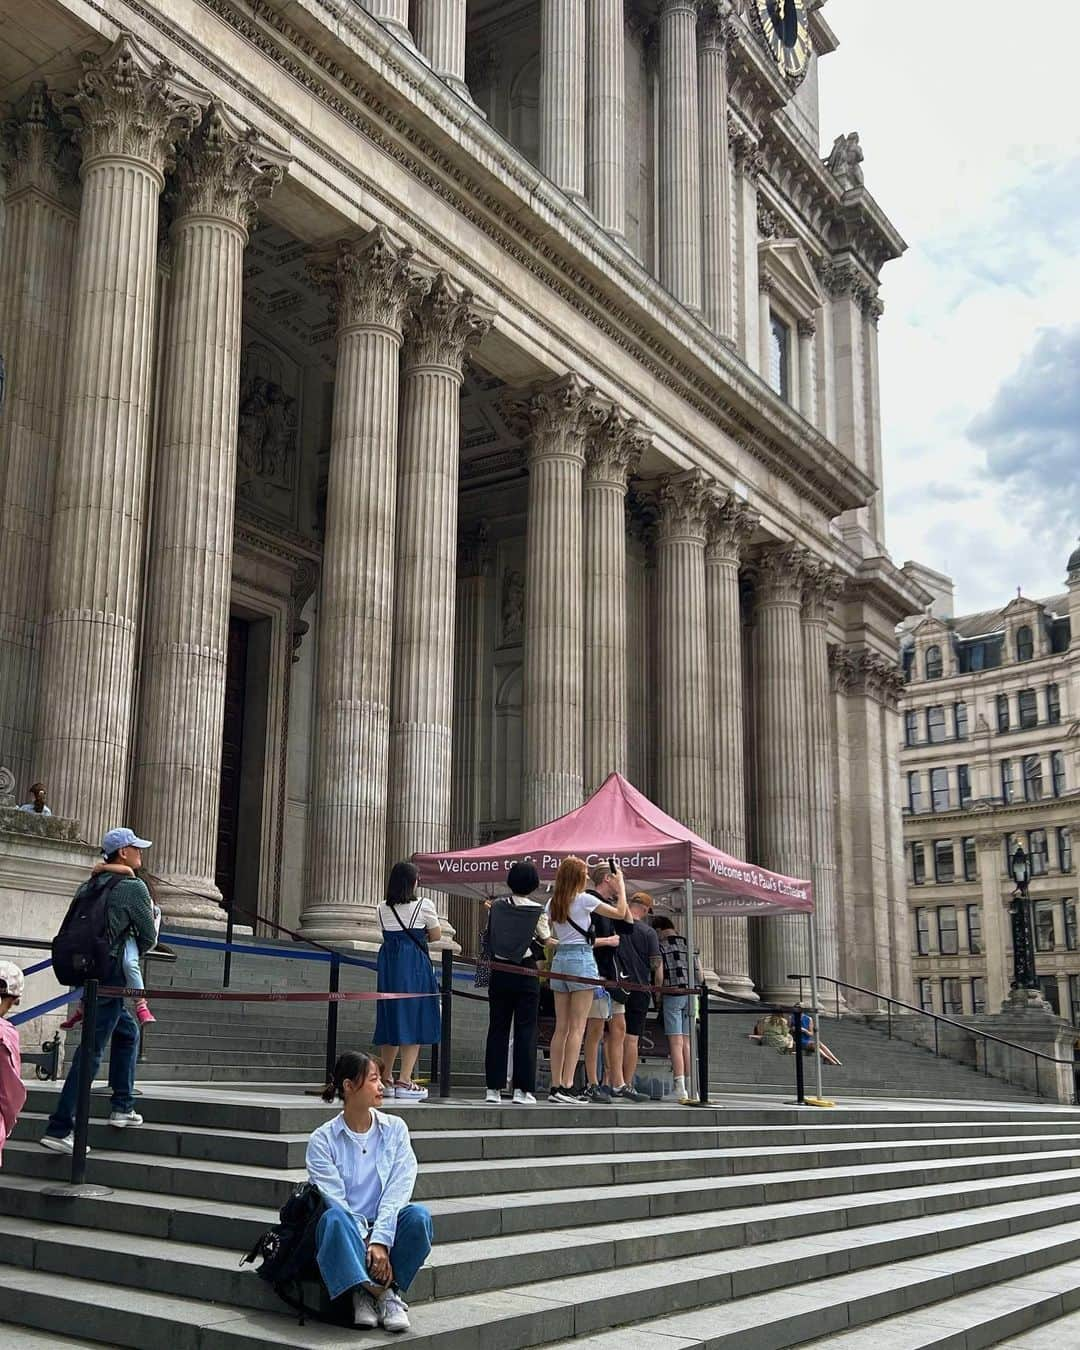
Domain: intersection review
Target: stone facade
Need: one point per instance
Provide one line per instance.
(990, 760)
(408, 426)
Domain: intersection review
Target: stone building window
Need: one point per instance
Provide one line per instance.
(1053, 704)
(1011, 842)
(780, 358)
(1025, 644)
(978, 994)
(1002, 712)
(1074, 998)
(948, 935)
(911, 728)
(1038, 852)
(951, 998)
(960, 721)
(1006, 781)
(918, 864)
(935, 724)
(922, 930)
(944, 862)
(974, 925)
(1064, 843)
(1057, 772)
(1044, 926)
(939, 789)
(1033, 778)
(971, 860)
(926, 996)
(963, 784)
(1049, 986)
(914, 793)
(934, 665)
(1029, 708)
(1070, 925)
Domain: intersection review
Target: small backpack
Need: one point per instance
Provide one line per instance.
(80, 950)
(288, 1252)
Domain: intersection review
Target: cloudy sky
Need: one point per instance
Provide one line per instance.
(970, 123)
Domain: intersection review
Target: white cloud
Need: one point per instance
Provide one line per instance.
(967, 116)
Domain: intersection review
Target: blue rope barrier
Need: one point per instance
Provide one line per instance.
(41, 965)
(71, 996)
(245, 949)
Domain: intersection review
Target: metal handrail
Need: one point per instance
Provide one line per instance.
(938, 1018)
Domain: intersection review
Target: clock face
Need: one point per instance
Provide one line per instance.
(784, 27)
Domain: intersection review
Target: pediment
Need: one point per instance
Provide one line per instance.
(930, 627)
(786, 264)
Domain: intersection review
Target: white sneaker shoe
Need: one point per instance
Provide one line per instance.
(523, 1098)
(365, 1313)
(393, 1312)
(60, 1143)
(409, 1092)
(122, 1119)
(492, 1097)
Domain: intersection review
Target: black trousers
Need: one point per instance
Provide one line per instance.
(513, 1001)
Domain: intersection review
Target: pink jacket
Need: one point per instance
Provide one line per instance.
(12, 1092)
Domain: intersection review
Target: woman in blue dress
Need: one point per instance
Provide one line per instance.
(404, 1025)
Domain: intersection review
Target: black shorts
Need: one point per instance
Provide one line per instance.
(637, 1010)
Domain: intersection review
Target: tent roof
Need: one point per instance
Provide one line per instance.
(656, 852)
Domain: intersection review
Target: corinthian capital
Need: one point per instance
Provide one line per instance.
(781, 573)
(685, 499)
(37, 149)
(445, 324)
(822, 585)
(226, 170)
(613, 452)
(557, 416)
(371, 281)
(730, 525)
(718, 28)
(133, 108)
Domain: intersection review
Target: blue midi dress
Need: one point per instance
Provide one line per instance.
(405, 968)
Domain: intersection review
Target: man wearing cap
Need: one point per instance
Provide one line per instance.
(640, 958)
(12, 1092)
(128, 911)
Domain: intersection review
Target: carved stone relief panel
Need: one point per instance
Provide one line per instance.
(268, 433)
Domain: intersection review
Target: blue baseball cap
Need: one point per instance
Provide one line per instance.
(115, 840)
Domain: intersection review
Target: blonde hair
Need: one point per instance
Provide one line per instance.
(569, 881)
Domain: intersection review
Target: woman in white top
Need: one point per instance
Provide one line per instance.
(404, 1025)
(570, 912)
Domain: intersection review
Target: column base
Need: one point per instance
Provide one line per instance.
(189, 902)
(344, 926)
(784, 993)
(739, 986)
(405, 37)
(1026, 1000)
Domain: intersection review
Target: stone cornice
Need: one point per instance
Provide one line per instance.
(880, 583)
(354, 66)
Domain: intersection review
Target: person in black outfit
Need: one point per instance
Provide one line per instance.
(606, 1017)
(640, 959)
(514, 999)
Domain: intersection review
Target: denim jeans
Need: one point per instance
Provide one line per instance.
(113, 1023)
(342, 1255)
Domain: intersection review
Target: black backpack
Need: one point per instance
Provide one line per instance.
(287, 1253)
(80, 950)
(511, 929)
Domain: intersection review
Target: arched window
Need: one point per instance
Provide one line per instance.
(1025, 644)
(934, 667)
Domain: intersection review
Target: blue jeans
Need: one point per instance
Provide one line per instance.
(342, 1255)
(129, 959)
(113, 1023)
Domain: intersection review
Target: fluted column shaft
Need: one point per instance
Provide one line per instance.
(132, 116)
(605, 137)
(730, 526)
(552, 772)
(822, 588)
(35, 291)
(680, 153)
(783, 805)
(373, 286)
(446, 323)
(684, 750)
(749, 163)
(182, 695)
(715, 173)
(807, 391)
(562, 94)
(765, 327)
(440, 35)
(610, 456)
(395, 15)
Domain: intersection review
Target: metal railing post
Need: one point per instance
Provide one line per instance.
(446, 1050)
(226, 970)
(332, 1016)
(1038, 1090)
(703, 1047)
(888, 1014)
(937, 1046)
(800, 1074)
(86, 1077)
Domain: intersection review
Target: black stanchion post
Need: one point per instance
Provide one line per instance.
(800, 1075)
(226, 973)
(332, 1016)
(86, 1075)
(703, 1047)
(447, 1021)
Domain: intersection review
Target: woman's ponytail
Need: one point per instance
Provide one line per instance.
(351, 1067)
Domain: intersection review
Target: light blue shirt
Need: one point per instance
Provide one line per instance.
(374, 1186)
(32, 809)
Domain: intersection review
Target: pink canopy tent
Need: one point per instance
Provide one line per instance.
(657, 853)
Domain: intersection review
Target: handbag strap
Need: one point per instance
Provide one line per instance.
(421, 946)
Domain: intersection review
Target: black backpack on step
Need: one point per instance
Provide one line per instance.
(287, 1253)
(80, 950)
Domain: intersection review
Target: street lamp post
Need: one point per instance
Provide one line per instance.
(1023, 935)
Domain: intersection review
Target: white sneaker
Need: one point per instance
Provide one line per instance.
(60, 1144)
(393, 1312)
(365, 1313)
(492, 1097)
(523, 1098)
(122, 1119)
(409, 1092)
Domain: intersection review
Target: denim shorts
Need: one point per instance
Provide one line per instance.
(676, 1014)
(577, 959)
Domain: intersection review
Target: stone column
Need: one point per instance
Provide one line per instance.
(684, 752)
(807, 392)
(36, 247)
(611, 456)
(730, 526)
(680, 153)
(562, 94)
(783, 794)
(373, 286)
(873, 309)
(553, 767)
(822, 587)
(605, 115)
(749, 163)
(394, 15)
(765, 289)
(716, 36)
(445, 325)
(221, 176)
(133, 115)
(440, 35)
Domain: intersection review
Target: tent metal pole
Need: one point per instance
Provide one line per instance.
(693, 1086)
(812, 932)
